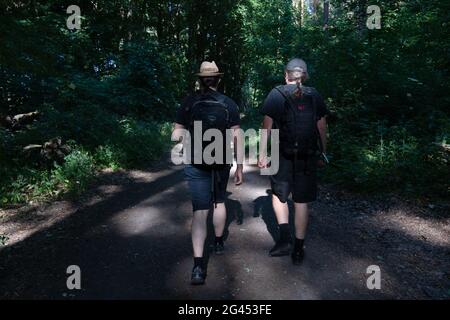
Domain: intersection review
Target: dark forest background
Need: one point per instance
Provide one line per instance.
(73, 102)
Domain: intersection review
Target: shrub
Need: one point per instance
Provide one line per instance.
(393, 161)
(76, 172)
(109, 157)
(138, 142)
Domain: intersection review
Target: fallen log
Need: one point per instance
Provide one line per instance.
(18, 121)
(49, 152)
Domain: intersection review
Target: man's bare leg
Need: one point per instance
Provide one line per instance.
(199, 232)
(301, 220)
(282, 246)
(301, 224)
(281, 210)
(219, 220)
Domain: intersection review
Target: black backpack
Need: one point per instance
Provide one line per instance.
(299, 135)
(211, 109)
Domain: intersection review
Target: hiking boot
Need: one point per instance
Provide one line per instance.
(198, 276)
(219, 248)
(297, 256)
(281, 248)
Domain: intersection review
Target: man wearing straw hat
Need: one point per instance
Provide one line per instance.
(207, 183)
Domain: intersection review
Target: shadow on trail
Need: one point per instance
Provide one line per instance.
(336, 237)
(135, 243)
(113, 264)
(132, 244)
(262, 207)
(234, 214)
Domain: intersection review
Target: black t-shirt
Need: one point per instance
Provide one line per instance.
(274, 105)
(183, 116)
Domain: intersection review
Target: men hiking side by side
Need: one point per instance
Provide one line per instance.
(207, 180)
(299, 113)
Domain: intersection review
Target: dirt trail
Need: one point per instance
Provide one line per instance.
(130, 237)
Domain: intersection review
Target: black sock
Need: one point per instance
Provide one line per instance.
(219, 240)
(285, 234)
(198, 262)
(299, 244)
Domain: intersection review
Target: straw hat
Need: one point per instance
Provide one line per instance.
(209, 69)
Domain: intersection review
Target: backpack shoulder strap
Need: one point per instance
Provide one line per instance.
(280, 89)
(314, 94)
(218, 96)
(286, 96)
(196, 98)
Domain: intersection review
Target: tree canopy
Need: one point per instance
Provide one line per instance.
(109, 90)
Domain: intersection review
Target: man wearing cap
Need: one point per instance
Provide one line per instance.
(200, 178)
(287, 107)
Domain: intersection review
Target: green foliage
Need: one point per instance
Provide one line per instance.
(132, 144)
(139, 143)
(109, 92)
(391, 160)
(76, 172)
(112, 87)
(389, 104)
(109, 157)
(20, 186)
(37, 184)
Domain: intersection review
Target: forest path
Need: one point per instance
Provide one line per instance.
(130, 237)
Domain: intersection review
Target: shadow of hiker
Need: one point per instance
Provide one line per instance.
(262, 207)
(234, 213)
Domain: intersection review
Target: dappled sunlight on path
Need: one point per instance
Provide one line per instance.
(131, 239)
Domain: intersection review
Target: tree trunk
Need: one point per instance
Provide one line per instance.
(302, 12)
(315, 5)
(299, 8)
(361, 17)
(326, 13)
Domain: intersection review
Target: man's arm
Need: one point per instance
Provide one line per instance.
(178, 132)
(239, 152)
(322, 127)
(264, 138)
(178, 136)
(322, 112)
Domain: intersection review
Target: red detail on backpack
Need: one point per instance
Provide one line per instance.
(301, 107)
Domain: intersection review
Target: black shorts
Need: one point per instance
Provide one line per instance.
(199, 182)
(302, 183)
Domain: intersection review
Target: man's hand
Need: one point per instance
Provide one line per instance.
(321, 163)
(263, 162)
(239, 175)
